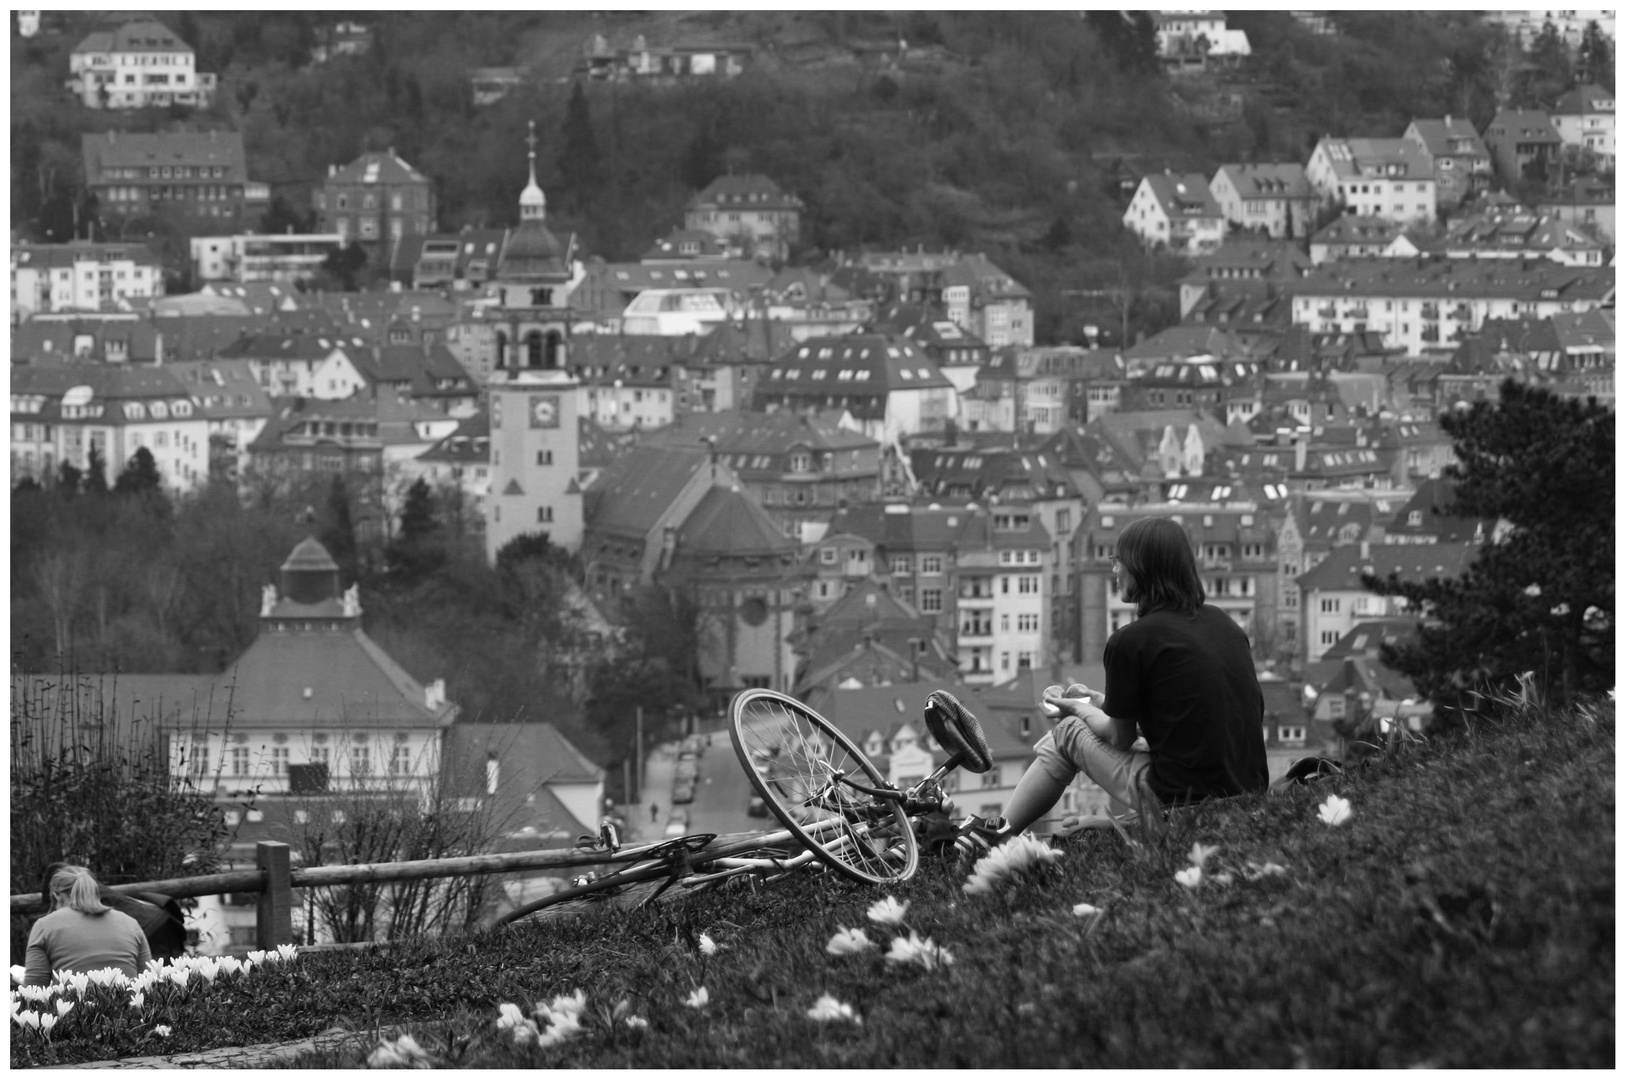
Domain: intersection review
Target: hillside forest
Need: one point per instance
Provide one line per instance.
(1019, 134)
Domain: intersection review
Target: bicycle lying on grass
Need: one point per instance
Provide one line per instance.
(838, 812)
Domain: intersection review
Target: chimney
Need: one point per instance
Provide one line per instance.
(1301, 452)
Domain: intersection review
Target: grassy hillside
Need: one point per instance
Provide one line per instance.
(1464, 916)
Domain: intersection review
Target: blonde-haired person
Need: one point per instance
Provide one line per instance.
(80, 933)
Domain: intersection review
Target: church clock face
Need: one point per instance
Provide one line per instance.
(544, 411)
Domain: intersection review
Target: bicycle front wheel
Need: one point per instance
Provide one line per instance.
(795, 759)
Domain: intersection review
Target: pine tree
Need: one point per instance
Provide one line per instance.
(96, 473)
(1595, 60)
(1541, 598)
(338, 533)
(578, 158)
(140, 476)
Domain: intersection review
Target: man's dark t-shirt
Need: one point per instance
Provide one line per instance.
(1188, 682)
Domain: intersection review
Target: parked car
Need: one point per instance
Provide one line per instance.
(694, 745)
(687, 770)
(756, 807)
(677, 824)
(683, 792)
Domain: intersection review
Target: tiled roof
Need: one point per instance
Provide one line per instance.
(286, 345)
(1352, 159)
(143, 35)
(1358, 229)
(469, 444)
(48, 256)
(1437, 136)
(1447, 279)
(1343, 566)
(1184, 196)
(975, 473)
(1276, 181)
(377, 167)
(351, 683)
(1587, 100)
(223, 389)
(728, 522)
(853, 366)
(107, 382)
(136, 150)
(1522, 125)
(749, 191)
(632, 494)
(753, 433)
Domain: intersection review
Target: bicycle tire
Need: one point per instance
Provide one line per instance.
(866, 839)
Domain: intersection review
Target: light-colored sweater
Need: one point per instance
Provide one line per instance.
(69, 940)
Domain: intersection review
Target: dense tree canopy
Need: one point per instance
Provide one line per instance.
(1542, 598)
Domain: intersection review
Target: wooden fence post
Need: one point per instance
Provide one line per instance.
(274, 922)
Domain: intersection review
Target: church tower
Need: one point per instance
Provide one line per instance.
(535, 453)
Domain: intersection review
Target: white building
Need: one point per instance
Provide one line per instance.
(1387, 178)
(284, 257)
(1586, 117)
(1333, 600)
(81, 277)
(62, 413)
(1430, 306)
(1273, 199)
(1176, 212)
(138, 65)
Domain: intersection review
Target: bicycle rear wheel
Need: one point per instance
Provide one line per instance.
(793, 756)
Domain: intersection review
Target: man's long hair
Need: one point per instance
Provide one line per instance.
(1157, 551)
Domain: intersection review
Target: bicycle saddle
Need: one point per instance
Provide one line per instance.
(957, 731)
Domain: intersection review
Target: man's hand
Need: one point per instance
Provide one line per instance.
(1114, 731)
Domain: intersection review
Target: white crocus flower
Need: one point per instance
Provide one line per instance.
(917, 950)
(637, 1023)
(887, 911)
(287, 953)
(708, 947)
(1017, 857)
(64, 1007)
(698, 999)
(1335, 811)
(137, 1000)
(47, 1022)
(161, 1030)
(846, 942)
(1190, 877)
(1200, 853)
(828, 1008)
(512, 1020)
(1532, 589)
(1085, 910)
(403, 1053)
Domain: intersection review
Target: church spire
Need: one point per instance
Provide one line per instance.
(533, 205)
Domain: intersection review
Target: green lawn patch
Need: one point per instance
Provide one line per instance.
(1463, 916)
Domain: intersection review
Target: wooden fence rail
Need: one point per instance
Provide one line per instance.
(274, 879)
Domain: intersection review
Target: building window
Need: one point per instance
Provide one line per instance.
(544, 457)
(931, 564)
(279, 761)
(239, 761)
(900, 564)
(1290, 734)
(1027, 623)
(401, 760)
(544, 514)
(827, 556)
(931, 600)
(1330, 605)
(990, 779)
(361, 761)
(1329, 637)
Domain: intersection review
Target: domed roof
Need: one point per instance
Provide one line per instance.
(309, 555)
(532, 195)
(532, 240)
